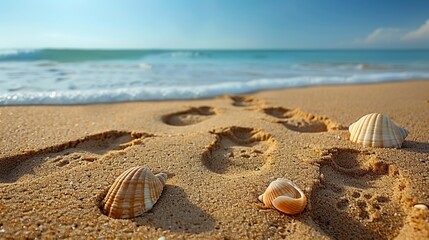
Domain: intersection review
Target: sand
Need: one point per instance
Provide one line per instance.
(56, 163)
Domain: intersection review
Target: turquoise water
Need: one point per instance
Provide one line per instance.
(50, 76)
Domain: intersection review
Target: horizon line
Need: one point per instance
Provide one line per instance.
(221, 49)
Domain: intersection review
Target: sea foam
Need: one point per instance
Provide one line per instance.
(50, 76)
(185, 92)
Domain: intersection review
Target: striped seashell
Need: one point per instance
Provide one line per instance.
(134, 192)
(283, 195)
(377, 130)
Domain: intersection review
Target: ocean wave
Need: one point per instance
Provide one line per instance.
(74, 55)
(185, 54)
(344, 66)
(80, 76)
(83, 55)
(190, 92)
(17, 54)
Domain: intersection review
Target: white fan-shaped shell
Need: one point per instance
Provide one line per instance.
(134, 192)
(377, 130)
(283, 195)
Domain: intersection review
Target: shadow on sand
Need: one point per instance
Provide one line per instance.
(174, 212)
(414, 146)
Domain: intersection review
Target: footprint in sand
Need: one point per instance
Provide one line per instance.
(71, 154)
(246, 101)
(189, 117)
(238, 150)
(299, 121)
(352, 201)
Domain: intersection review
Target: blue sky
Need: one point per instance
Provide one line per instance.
(222, 24)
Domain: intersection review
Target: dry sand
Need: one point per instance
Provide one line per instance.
(56, 162)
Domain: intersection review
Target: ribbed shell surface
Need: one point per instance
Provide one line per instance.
(377, 130)
(134, 192)
(283, 195)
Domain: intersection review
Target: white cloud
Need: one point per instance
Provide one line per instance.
(383, 35)
(396, 37)
(419, 34)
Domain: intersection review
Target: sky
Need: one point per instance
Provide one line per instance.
(210, 24)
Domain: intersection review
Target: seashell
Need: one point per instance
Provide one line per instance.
(421, 206)
(283, 195)
(134, 192)
(377, 130)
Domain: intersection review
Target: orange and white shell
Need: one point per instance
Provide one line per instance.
(134, 192)
(283, 195)
(377, 130)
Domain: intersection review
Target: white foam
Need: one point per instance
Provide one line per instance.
(4, 53)
(189, 92)
(145, 66)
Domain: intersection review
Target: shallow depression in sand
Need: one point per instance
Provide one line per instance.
(299, 121)
(352, 202)
(64, 156)
(189, 117)
(246, 101)
(238, 150)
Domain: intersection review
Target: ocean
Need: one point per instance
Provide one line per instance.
(55, 76)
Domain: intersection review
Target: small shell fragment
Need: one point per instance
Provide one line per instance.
(377, 130)
(421, 206)
(283, 195)
(134, 192)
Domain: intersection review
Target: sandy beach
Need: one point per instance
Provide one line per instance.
(220, 154)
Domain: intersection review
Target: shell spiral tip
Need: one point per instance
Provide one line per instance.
(162, 177)
(283, 195)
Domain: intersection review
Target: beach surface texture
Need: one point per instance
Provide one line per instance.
(220, 154)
